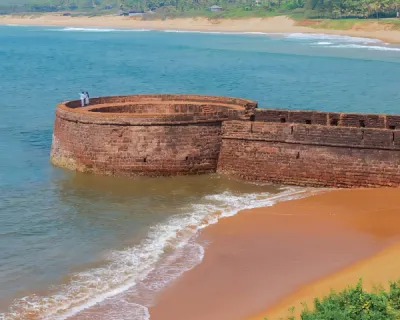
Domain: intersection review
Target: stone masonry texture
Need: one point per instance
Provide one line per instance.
(144, 135)
(191, 134)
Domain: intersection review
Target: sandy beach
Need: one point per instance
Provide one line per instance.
(279, 24)
(263, 261)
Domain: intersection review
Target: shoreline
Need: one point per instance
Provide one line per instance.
(277, 25)
(259, 261)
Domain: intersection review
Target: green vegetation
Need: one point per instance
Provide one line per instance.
(346, 24)
(311, 9)
(356, 304)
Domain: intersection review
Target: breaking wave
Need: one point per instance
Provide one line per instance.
(326, 43)
(125, 286)
(357, 46)
(321, 36)
(216, 32)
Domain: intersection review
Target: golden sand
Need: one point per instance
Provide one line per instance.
(279, 24)
(273, 258)
(375, 271)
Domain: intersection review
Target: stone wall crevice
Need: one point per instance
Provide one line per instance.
(312, 143)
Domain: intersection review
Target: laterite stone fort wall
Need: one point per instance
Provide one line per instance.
(144, 134)
(190, 134)
(313, 148)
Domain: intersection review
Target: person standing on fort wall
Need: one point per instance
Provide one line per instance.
(82, 96)
(87, 98)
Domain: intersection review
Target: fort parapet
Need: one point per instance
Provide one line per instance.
(191, 134)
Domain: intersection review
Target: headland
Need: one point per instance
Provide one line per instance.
(192, 134)
(278, 24)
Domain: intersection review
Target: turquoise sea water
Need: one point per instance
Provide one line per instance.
(69, 240)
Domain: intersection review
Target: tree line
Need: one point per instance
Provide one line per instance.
(312, 8)
(353, 8)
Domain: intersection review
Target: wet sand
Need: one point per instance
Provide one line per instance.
(280, 24)
(268, 259)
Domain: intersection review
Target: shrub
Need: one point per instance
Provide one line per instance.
(355, 303)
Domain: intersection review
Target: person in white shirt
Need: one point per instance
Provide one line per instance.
(82, 97)
(87, 98)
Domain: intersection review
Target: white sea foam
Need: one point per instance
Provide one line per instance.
(366, 47)
(70, 29)
(186, 31)
(337, 38)
(327, 43)
(129, 281)
(216, 32)
(330, 39)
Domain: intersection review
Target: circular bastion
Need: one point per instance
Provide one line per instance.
(144, 134)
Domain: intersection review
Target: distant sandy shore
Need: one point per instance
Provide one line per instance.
(269, 25)
(263, 261)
